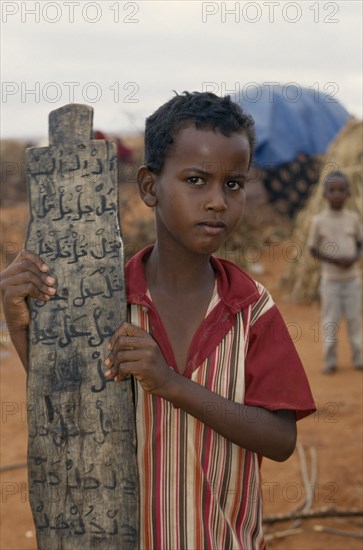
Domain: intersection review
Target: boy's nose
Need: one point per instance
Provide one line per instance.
(216, 201)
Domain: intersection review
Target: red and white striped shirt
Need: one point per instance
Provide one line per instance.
(199, 491)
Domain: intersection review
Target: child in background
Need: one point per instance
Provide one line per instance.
(218, 382)
(336, 240)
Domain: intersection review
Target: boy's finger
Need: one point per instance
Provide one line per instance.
(23, 278)
(125, 356)
(114, 360)
(128, 342)
(120, 377)
(123, 372)
(126, 330)
(110, 373)
(27, 266)
(17, 293)
(26, 255)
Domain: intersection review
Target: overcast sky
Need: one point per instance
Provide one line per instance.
(126, 58)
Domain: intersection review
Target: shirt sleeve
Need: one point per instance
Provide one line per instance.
(275, 377)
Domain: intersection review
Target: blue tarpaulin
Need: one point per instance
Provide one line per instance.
(291, 120)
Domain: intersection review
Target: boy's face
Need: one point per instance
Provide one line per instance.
(200, 195)
(336, 192)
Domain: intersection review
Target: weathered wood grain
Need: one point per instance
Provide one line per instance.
(81, 451)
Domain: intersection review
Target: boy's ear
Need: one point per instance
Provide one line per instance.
(146, 183)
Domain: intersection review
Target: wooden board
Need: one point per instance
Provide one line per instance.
(82, 447)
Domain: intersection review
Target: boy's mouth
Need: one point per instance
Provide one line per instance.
(212, 227)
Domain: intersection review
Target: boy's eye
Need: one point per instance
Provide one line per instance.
(234, 185)
(196, 180)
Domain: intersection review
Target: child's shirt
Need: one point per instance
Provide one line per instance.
(198, 490)
(336, 233)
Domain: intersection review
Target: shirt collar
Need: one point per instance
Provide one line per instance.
(235, 288)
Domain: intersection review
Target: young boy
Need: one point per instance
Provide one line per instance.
(219, 383)
(336, 239)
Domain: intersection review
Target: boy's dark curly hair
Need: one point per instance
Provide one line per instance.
(206, 110)
(336, 174)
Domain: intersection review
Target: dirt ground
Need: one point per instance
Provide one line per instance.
(334, 433)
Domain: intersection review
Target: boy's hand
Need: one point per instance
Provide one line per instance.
(345, 263)
(26, 276)
(133, 351)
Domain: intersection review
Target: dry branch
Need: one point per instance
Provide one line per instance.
(340, 532)
(322, 513)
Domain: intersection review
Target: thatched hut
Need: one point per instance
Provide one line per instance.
(344, 154)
